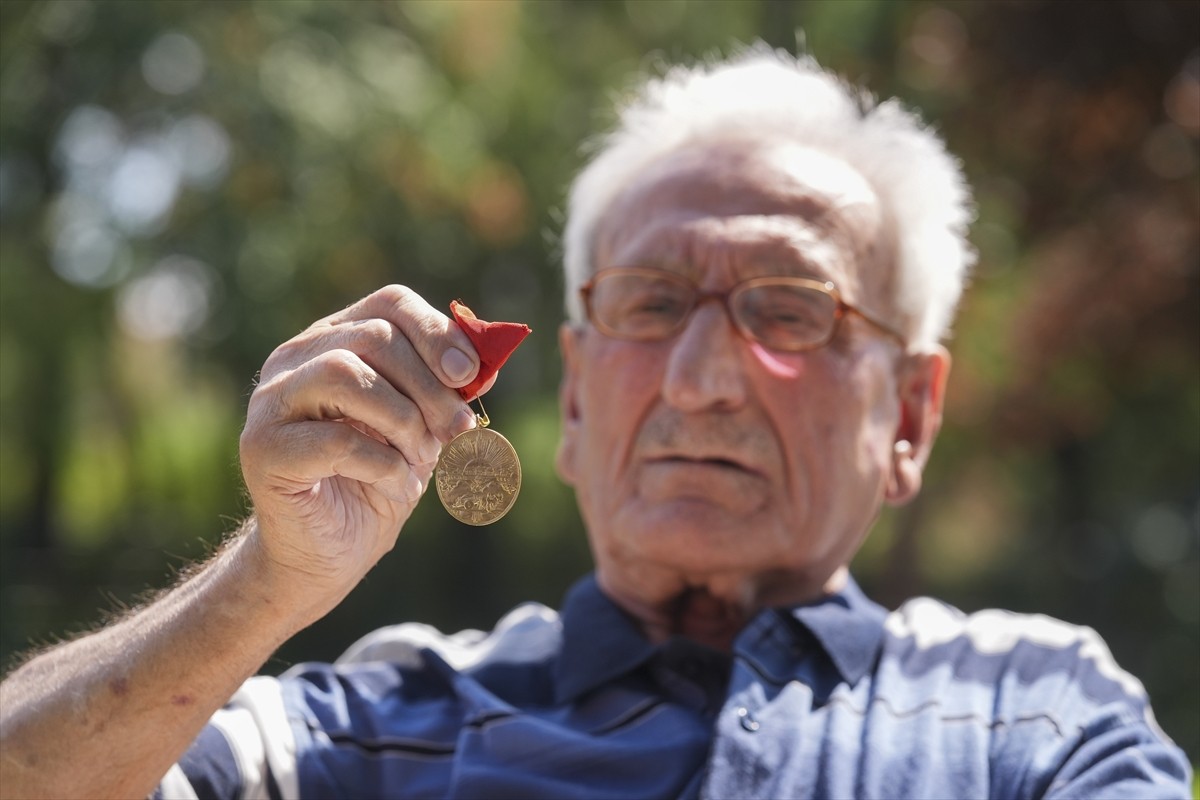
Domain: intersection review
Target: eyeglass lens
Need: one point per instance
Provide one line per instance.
(643, 306)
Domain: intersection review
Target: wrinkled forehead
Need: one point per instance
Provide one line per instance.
(754, 199)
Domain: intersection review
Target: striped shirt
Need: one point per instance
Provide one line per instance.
(834, 699)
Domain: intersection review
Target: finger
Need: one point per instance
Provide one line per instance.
(340, 385)
(386, 350)
(442, 345)
(319, 450)
(487, 386)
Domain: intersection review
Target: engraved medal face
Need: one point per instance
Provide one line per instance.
(478, 476)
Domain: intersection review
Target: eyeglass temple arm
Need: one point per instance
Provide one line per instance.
(882, 326)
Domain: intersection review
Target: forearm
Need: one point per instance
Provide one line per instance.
(108, 714)
(342, 434)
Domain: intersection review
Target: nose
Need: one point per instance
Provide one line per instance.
(705, 370)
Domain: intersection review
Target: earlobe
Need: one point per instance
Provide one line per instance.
(922, 391)
(568, 401)
(904, 479)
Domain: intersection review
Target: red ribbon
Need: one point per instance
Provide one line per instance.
(493, 341)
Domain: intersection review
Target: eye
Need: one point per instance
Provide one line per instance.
(660, 298)
(785, 311)
(786, 315)
(654, 303)
(640, 304)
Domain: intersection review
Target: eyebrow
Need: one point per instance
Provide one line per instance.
(786, 255)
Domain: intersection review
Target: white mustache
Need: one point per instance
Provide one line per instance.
(706, 437)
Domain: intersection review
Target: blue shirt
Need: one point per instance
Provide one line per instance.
(835, 699)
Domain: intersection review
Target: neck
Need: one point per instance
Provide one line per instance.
(707, 615)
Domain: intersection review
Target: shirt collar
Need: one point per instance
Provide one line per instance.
(849, 626)
(602, 642)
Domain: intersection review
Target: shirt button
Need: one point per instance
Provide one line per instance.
(748, 722)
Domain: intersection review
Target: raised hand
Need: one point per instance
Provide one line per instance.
(344, 430)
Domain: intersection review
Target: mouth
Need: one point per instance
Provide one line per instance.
(699, 486)
(714, 461)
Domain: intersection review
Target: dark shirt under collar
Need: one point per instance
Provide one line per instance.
(601, 642)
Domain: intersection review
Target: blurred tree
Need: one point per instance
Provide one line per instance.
(184, 185)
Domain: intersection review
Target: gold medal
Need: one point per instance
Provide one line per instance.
(478, 475)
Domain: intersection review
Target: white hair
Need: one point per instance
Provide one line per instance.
(760, 90)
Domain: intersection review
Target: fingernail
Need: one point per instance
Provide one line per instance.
(413, 487)
(456, 364)
(464, 420)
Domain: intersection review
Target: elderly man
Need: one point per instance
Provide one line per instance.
(760, 267)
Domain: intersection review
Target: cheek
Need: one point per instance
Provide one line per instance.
(836, 412)
(879, 415)
(778, 366)
(619, 387)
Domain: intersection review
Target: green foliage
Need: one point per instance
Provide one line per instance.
(185, 185)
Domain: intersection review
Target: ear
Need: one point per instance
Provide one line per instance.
(568, 401)
(922, 393)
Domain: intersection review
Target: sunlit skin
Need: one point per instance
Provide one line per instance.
(717, 477)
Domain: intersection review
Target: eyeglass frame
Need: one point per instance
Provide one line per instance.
(842, 309)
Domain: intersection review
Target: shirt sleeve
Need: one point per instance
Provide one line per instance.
(247, 750)
(1122, 754)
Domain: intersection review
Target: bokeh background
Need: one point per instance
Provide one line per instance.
(184, 185)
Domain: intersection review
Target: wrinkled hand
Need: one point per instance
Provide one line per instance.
(343, 432)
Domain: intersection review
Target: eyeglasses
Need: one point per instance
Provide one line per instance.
(782, 313)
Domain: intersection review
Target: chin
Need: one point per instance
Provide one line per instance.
(696, 537)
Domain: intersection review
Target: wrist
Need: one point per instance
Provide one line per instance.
(296, 597)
